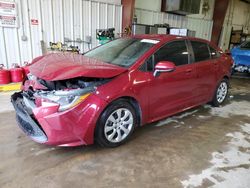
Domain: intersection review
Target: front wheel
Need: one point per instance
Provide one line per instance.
(116, 124)
(221, 93)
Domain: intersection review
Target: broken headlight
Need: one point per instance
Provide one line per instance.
(65, 99)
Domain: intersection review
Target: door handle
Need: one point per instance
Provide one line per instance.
(189, 70)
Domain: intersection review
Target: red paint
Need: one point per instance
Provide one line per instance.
(64, 66)
(17, 74)
(165, 66)
(72, 126)
(26, 69)
(4, 75)
(34, 84)
(158, 97)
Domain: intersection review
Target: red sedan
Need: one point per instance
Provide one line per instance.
(103, 95)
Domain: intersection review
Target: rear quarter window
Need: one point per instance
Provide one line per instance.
(201, 51)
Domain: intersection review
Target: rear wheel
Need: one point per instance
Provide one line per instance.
(221, 93)
(116, 124)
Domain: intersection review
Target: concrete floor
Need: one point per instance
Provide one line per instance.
(202, 147)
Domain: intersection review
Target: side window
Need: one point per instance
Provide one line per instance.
(175, 52)
(150, 63)
(201, 52)
(148, 66)
(214, 53)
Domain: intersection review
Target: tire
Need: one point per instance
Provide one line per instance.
(221, 93)
(112, 130)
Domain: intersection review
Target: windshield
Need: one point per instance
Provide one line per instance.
(122, 52)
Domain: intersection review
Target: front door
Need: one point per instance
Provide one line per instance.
(171, 92)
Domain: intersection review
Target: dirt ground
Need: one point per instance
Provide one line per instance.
(203, 147)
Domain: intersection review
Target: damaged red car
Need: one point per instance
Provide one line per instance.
(103, 95)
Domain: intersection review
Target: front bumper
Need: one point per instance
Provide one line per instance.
(241, 68)
(241, 62)
(46, 125)
(26, 120)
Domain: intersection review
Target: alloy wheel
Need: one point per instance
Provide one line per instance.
(118, 125)
(222, 92)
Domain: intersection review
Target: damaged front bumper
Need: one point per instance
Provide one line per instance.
(26, 121)
(49, 126)
(241, 68)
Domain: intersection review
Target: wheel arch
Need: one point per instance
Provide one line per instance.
(226, 77)
(130, 100)
(133, 102)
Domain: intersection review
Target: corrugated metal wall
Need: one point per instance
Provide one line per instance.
(203, 27)
(57, 20)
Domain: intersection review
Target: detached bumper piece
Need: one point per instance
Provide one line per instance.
(242, 68)
(25, 120)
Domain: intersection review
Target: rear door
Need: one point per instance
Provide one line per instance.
(216, 59)
(206, 70)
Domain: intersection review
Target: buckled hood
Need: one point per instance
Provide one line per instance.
(61, 66)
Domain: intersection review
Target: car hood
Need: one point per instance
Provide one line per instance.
(240, 51)
(241, 56)
(62, 66)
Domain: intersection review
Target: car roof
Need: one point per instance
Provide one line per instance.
(165, 37)
(155, 36)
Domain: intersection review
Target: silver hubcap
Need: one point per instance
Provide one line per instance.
(118, 125)
(222, 92)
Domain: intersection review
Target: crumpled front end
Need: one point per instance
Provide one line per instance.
(241, 59)
(62, 114)
(26, 120)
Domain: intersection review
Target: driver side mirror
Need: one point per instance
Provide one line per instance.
(163, 66)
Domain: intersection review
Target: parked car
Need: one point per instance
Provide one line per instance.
(241, 57)
(102, 96)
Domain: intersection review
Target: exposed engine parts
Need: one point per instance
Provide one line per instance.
(73, 83)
